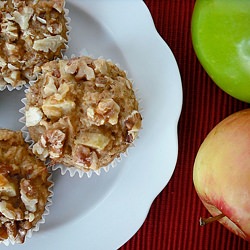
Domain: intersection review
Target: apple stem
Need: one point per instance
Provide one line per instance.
(205, 221)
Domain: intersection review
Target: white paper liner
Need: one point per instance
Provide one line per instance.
(74, 170)
(68, 27)
(10, 87)
(36, 228)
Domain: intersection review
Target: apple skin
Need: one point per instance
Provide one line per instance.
(221, 40)
(221, 173)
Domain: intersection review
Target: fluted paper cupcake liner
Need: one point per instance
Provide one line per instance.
(73, 170)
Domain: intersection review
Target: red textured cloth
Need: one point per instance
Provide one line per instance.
(173, 220)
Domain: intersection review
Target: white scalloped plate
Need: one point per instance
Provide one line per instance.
(103, 212)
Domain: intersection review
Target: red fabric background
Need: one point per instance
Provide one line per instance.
(173, 220)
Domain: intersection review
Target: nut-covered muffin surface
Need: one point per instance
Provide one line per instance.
(32, 32)
(24, 187)
(82, 112)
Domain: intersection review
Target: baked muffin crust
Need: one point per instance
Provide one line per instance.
(23, 187)
(82, 112)
(32, 32)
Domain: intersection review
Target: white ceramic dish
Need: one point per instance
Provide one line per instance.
(103, 212)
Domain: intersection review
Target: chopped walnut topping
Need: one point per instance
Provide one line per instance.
(109, 109)
(23, 17)
(40, 151)
(101, 66)
(58, 5)
(51, 144)
(41, 20)
(32, 33)
(33, 116)
(12, 49)
(56, 140)
(93, 106)
(50, 87)
(55, 28)
(11, 67)
(133, 125)
(28, 195)
(49, 43)
(2, 4)
(83, 156)
(23, 187)
(6, 188)
(9, 30)
(80, 68)
(7, 210)
(31, 217)
(94, 117)
(2, 62)
(133, 121)
(56, 104)
(15, 234)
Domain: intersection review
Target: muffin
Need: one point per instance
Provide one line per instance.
(82, 112)
(24, 188)
(31, 33)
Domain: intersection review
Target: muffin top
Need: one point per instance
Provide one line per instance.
(82, 112)
(32, 32)
(23, 187)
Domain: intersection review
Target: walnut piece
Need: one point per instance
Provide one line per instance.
(23, 17)
(28, 195)
(40, 151)
(9, 30)
(107, 110)
(80, 68)
(32, 33)
(7, 210)
(6, 188)
(83, 157)
(49, 43)
(55, 102)
(50, 144)
(33, 116)
(133, 125)
(50, 87)
(101, 66)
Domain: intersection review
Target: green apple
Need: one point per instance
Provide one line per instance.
(221, 39)
(221, 173)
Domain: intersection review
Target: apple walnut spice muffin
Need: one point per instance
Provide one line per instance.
(32, 32)
(23, 187)
(82, 112)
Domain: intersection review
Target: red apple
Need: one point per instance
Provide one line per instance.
(221, 173)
